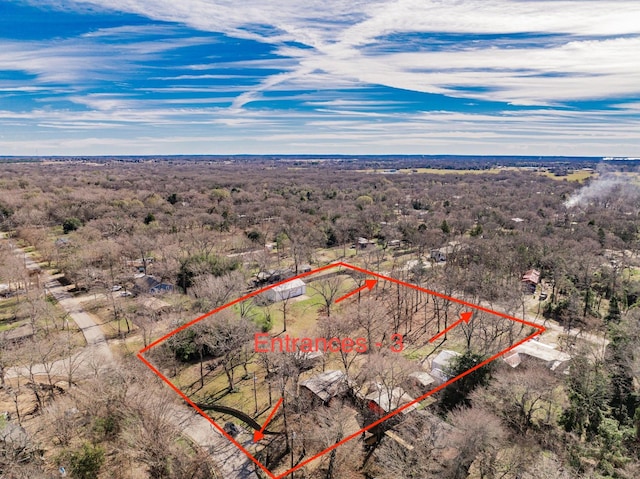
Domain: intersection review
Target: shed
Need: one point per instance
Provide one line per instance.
(394, 243)
(382, 400)
(325, 386)
(441, 364)
(22, 332)
(155, 305)
(308, 360)
(290, 289)
(364, 243)
(421, 381)
(273, 276)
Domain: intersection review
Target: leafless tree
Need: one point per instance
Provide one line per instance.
(344, 328)
(212, 292)
(477, 437)
(329, 289)
(226, 337)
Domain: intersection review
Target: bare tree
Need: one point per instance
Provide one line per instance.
(226, 338)
(343, 328)
(211, 292)
(328, 289)
(476, 437)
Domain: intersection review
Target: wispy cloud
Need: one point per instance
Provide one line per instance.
(343, 41)
(361, 74)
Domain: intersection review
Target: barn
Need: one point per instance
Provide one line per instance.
(290, 289)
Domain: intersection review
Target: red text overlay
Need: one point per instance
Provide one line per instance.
(264, 343)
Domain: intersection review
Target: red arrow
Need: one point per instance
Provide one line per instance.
(368, 284)
(260, 434)
(463, 317)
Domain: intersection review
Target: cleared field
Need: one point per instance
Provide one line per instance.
(578, 176)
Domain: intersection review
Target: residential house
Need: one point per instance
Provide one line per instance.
(530, 281)
(555, 360)
(147, 284)
(440, 255)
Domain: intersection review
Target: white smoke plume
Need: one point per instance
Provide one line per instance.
(600, 188)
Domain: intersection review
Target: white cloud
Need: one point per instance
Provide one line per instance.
(578, 65)
(347, 39)
(566, 51)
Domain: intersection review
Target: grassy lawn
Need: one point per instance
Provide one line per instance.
(243, 397)
(632, 273)
(110, 329)
(13, 313)
(7, 309)
(102, 309)
(329, 255)
(302, 312)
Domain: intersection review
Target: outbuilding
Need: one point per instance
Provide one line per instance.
(325, 386)
(382, 401)
(290, 289)
(441, 365)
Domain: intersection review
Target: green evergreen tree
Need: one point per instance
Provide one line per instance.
(623, 400)
(601, 236)
(457, 394)
(613, 315)
(86, 462)
(588, 396)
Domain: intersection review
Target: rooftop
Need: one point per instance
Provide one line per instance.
(326, 385)
(532, 276)
(390, 400)
(541, 351)
(294, 283)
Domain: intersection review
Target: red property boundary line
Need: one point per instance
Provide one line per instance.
(539, 330)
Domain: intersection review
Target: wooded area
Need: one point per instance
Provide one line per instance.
(101, 257)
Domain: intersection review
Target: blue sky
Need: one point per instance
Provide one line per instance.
(516, 77)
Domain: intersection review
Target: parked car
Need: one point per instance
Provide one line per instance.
(231, 429)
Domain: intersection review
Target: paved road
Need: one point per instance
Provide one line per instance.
(231, 462)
